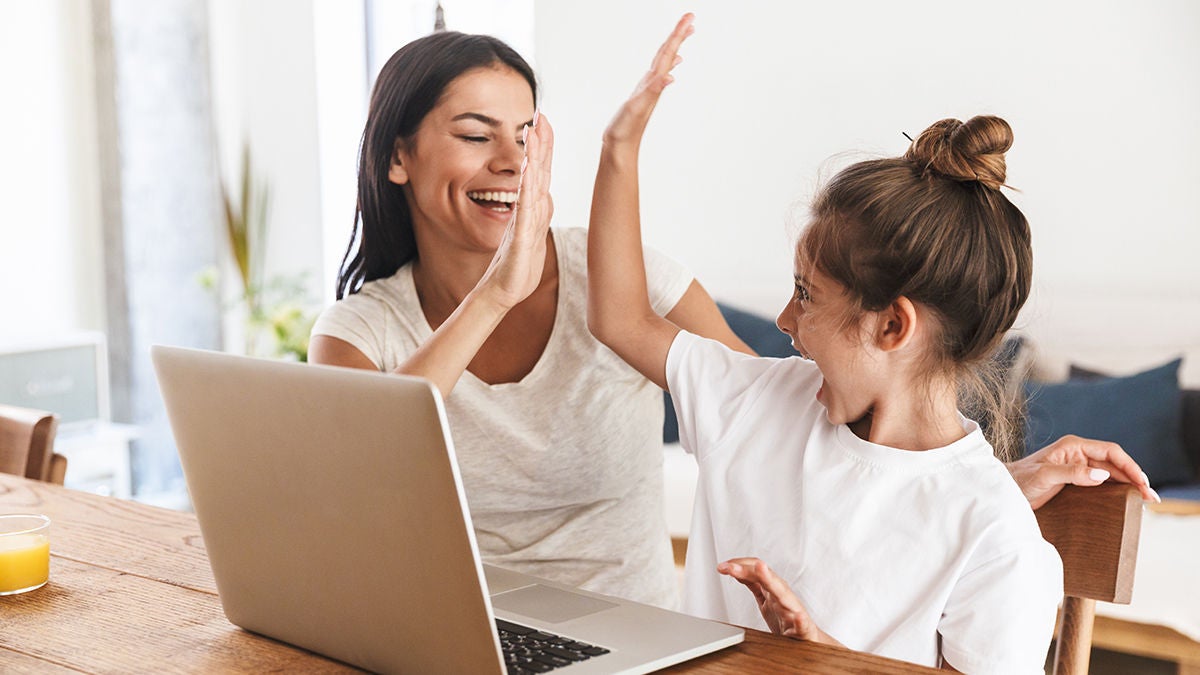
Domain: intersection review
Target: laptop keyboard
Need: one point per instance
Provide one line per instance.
(528, 650)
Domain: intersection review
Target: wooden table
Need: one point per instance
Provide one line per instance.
(131, 591)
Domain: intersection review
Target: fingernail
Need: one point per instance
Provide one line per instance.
(1099, 475)
(1157, 499)
(1145, 479)
(524, 163)
(525, 133)
(537, 112)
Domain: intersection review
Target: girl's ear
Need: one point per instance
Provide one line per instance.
(897, 324)
(397, 173)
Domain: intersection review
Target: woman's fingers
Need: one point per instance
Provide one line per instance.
(545, 148)
(526, 232)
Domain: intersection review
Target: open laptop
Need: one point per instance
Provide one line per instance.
(334, 517)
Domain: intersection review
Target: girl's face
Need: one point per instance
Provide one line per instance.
(825, 326)
(461, 169)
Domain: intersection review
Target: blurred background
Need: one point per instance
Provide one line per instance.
(127, 128)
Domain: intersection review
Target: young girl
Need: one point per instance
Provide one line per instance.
(891, 526)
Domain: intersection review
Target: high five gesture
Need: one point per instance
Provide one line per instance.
(619, 311)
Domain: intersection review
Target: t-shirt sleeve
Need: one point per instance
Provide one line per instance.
(666, 280)
(712, 387)
(1000, 615)
(356, 320)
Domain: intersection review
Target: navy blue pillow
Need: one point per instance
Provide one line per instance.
(759, 333)
(1143, 413)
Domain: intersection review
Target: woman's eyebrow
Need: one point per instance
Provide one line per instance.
(490, 121)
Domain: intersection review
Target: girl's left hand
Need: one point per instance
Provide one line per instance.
(630, 121)
(777, 603)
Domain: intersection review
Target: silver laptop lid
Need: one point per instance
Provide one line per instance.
(300, 476)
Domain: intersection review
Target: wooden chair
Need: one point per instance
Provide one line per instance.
(27, 444)
(1095, 530)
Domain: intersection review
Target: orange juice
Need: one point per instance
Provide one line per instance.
(24, 553)
(24, 562)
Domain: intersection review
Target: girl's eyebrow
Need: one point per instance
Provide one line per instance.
(490, 121)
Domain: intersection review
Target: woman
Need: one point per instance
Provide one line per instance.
(453, 278)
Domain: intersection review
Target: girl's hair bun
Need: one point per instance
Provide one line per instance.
(971, 151)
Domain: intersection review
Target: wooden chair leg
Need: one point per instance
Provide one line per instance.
(1074, 649)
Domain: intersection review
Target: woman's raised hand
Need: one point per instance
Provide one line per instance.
(516, 269)
(630, 121)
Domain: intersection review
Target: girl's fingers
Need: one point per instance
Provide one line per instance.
(664, 59)
(776, 586)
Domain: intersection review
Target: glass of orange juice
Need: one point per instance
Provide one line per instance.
(24, 553)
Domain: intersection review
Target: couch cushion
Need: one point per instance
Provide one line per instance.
(1190, 417)
(1141, 412)
(1191, 428)
(1190, 491)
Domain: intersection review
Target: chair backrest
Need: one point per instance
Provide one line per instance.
(27, 444)
(1096, 531)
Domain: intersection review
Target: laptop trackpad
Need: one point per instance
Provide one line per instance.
(548, 604)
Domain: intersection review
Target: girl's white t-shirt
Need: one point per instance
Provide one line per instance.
(890, 551)
(563, 469)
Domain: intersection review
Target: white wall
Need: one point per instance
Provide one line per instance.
(51, 270)
(264, 93)
(1104, 100)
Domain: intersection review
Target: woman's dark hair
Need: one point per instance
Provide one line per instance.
(410, 84)
(934, 227)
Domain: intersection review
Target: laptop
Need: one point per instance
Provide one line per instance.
(334, 517)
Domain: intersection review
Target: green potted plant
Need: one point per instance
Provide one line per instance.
(277, 312)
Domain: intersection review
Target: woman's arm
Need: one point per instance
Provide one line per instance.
(619, 311)
(697, 313)
(513, 274)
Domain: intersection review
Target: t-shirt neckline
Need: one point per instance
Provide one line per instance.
(922, 460)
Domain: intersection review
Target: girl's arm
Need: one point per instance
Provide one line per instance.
(619, 311)
(513, 274)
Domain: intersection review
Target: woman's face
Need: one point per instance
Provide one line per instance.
(461, 168)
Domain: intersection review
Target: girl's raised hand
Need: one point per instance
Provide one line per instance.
(516, 269)
(630, 121)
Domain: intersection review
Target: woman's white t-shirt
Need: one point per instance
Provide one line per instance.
(890, 551)
(563, 469)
